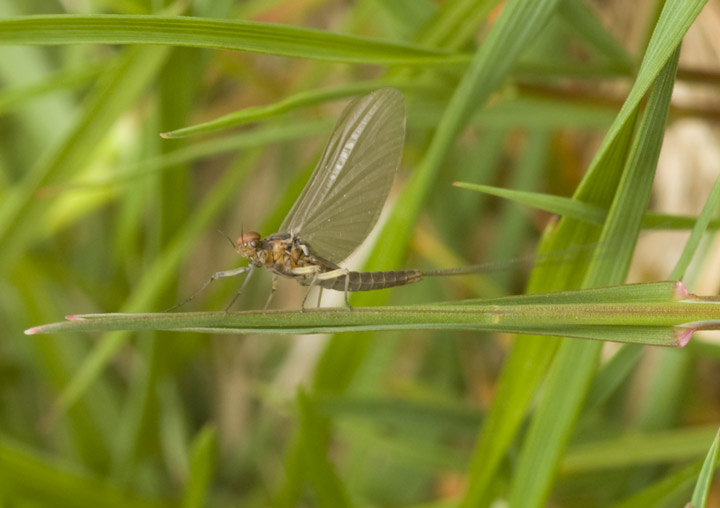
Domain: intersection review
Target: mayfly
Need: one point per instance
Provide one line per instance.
(338, 207)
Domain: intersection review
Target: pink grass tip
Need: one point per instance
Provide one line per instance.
(74, 317)
(681, 291)
(683, 335)
(33, 331)
(166, 135)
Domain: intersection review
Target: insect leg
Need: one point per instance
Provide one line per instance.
(273, 288)
(307, 270)
(215, 276)
(320, 290)
(307, 293)
(347, 293)
(245, 282)
(336, 274)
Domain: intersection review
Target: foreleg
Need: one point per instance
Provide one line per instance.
(215, 276)
(242, 288)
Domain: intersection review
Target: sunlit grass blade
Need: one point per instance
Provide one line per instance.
(281, 40)
(21, 214)
(531, 357)
(15, 97)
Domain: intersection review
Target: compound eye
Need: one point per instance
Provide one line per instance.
(251, 237)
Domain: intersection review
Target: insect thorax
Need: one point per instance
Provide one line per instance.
(281, 253)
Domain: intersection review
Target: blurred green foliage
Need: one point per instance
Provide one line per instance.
(98, 213)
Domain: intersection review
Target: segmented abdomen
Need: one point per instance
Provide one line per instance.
(367, 281)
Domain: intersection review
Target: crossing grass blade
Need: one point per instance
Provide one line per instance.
(518, 381)
(575, 363)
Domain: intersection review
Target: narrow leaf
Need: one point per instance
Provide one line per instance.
(702, 487)
(282, 40)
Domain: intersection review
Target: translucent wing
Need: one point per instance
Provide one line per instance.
(346, 192)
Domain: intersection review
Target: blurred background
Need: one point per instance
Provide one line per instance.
(110, 217)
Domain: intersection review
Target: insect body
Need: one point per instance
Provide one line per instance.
(339, 206)
(287, 256)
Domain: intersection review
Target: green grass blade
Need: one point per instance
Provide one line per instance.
(281, 40)
(202, 465)
(701, 226)
(558, 205)
(572, 372)
(200, 150)
(305, 98)
(612, 375)
(543, 113)
(530, 357)
(639, 448)
(671, 27)
(702, 487)
(589, 212)
(668, 492)
(580, 18)
(659, 314)
(26, 474)
(15, 97)
(456, 22)
(313, 443)
(21, 213)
